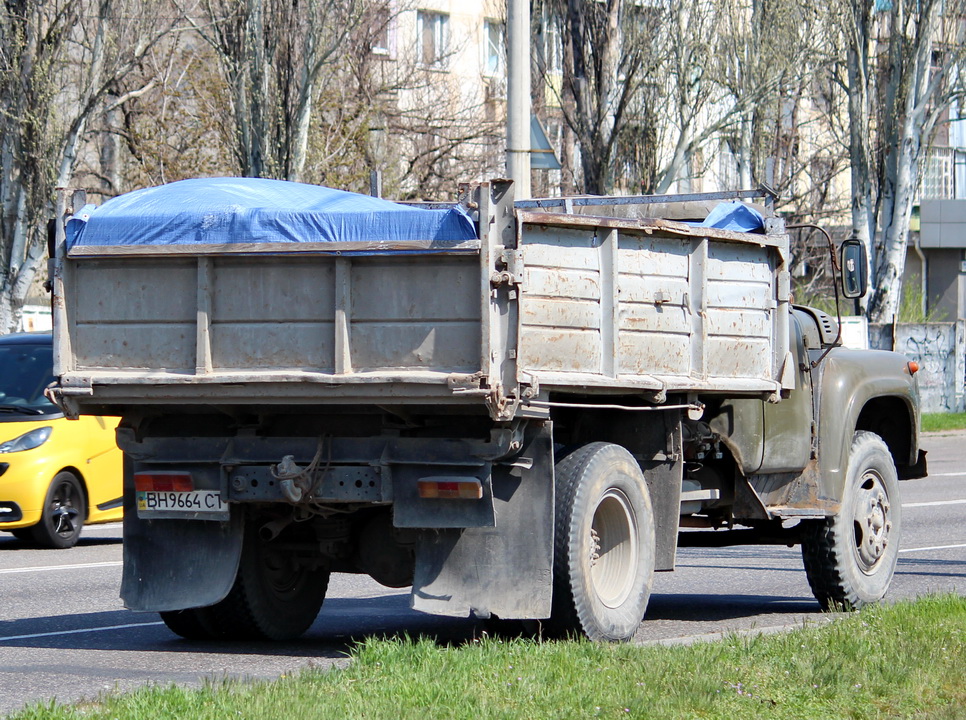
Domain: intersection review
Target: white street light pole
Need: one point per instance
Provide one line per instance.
(518, 96)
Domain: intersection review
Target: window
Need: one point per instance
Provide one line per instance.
(495, 49)
(433, 33)
(728, 166)
(379, 30)
(938, 173)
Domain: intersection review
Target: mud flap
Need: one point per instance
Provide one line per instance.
(178, 564)
(504, 570)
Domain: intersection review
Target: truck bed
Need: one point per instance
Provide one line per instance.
(538, 303)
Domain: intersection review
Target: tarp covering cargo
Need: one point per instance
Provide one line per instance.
(223, 211)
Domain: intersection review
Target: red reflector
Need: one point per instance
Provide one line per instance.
(454, 489)
(913, 367)
(164, 482)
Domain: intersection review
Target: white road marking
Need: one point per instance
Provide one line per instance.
(77, 632)
(936, 503)
(955, 474)
(934, 547)
(47, 568)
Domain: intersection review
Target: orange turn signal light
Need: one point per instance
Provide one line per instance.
(450, 489)
(913, 367)
(163, 482)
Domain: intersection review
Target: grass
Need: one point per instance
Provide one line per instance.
(933, 422)
(902, 661)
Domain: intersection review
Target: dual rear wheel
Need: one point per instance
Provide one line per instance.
(275, 597)
(604, 544)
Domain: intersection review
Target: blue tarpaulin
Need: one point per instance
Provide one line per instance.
(735, 216)
(218, 211)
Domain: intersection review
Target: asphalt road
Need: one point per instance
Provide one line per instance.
(65, 635)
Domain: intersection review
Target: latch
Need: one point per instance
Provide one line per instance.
(509, 269)
(503, 278)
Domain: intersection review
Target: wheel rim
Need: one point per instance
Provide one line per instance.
(613, 550)
(283, 577)
(64, 510)
(872, 522)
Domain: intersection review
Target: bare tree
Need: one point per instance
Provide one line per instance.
(648, 87)
(609, 51)
(272, 56)
(60, 60)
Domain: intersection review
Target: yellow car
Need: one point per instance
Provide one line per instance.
(55, 474)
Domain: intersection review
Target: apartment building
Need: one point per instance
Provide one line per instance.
(937, 253)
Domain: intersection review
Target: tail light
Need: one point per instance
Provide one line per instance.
(163, 482)
(450, 488)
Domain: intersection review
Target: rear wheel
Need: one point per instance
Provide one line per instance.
(603, 546)
(65, 509)
(276, 596)
(850, 559)
(191, 624)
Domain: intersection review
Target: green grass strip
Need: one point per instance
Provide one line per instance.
(933, 422)
(902, 661)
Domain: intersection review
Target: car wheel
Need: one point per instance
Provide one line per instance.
(64, 512)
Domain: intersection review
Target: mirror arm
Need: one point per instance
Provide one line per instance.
(836, 280)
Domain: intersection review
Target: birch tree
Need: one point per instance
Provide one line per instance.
(59, 60)
(904, 68)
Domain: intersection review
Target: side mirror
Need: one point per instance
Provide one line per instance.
(855, 280)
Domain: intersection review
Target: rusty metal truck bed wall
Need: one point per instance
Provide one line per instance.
(614, 305)
(584, 304)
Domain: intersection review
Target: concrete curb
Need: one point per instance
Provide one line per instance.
(804, 623)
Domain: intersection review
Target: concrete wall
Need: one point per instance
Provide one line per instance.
(940, 350)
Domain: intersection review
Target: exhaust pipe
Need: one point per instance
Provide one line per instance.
(271, 530)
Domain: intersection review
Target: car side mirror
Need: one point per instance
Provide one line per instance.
(855, 280)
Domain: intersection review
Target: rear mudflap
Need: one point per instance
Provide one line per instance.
(178, 564)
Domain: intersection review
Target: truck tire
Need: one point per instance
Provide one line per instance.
(274, 597)
(603, 546)
(65, 509)
(191, 624)
(850, 558)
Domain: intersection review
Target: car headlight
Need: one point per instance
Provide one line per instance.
(27, 441)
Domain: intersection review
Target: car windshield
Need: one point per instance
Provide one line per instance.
(25, 370)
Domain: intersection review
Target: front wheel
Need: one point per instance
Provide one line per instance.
(65, 509)
(604, 544)
(850, 559)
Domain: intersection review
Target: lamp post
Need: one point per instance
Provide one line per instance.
(518, 96)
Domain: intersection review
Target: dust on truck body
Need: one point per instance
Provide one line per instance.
(520, 411)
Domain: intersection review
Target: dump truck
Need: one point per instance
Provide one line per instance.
(518, 409)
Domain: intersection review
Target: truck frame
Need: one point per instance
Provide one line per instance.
(524, 425)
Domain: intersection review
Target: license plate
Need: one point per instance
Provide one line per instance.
(197, 504)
